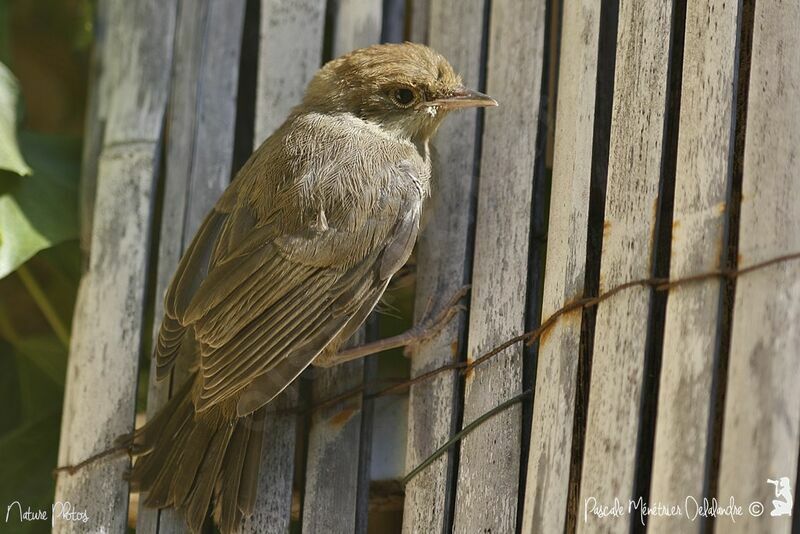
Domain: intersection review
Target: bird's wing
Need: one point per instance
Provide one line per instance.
(251, 297)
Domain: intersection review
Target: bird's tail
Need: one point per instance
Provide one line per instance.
(184, 458)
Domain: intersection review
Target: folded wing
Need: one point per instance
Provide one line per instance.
(259, 303)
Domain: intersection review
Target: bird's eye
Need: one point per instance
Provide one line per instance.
(403, 96)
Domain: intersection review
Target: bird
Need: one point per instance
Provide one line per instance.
(287, 265)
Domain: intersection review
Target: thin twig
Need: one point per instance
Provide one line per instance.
(464, 431)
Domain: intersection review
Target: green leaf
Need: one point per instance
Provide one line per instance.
(9, 390)
(41, 210)
(38, 393)
(29, 456)
(28, 453)
(10, 157)
(47, 354)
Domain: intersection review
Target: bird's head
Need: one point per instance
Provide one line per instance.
(405, 88)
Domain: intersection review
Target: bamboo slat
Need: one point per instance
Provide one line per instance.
(488, 476)
(634, 170)
(702, 196)
(418, 14)
(285, 63)
(761, 433)
(107, 328)
(565, 270)
(442, 268)
(94, 126)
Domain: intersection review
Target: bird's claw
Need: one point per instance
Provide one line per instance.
(431, 325)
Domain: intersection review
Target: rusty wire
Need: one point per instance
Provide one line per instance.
(530, 337)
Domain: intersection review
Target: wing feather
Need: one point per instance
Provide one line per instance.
(265, 333)
(194, 265)
(259, 298)
(262, 290)
(281, 331)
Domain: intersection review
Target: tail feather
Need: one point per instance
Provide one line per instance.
(226, 509)
(196, 504)
(191, 459)
(248, 486)
(159, 467)
(164, 426)
(156, 444)
(184, 459)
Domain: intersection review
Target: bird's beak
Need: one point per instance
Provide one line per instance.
(464, 98)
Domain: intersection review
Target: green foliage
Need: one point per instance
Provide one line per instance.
(40, 210)
(29, 446)
(26, 470)
(10, 157)
(39, 273)
(47, 354)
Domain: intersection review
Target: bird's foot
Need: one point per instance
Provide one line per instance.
(431, 324)
(425, 330)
